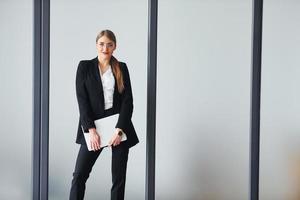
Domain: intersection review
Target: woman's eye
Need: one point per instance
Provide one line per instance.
(108, 45)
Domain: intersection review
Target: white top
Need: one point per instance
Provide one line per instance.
(108, 84)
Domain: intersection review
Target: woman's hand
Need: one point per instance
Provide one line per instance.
(116, 139)
(94, 139)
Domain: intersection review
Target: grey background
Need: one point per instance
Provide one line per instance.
(203, 96)
(16, 98)
(280, 109)
(203, 100)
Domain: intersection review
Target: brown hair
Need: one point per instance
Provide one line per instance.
(113, 61)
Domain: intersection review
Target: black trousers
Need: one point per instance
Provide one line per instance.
(84, 163)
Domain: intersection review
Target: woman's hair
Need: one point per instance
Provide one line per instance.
(113, 61)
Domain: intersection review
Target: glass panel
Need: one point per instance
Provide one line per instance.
(16, 18)
(280, 109)
(73, 34)
(203, 100)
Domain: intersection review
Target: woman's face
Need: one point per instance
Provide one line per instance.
(105, 48)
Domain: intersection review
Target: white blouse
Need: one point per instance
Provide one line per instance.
(108, 83)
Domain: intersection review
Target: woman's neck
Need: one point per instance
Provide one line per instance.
(103, 63)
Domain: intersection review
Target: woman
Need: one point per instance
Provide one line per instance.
(103, 88)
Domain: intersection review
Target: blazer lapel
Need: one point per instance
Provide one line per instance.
(115, 92)
(96, 72)
(98, 82)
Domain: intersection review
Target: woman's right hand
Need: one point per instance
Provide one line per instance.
(94, 139)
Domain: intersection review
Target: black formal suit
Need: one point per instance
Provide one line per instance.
(90, 98)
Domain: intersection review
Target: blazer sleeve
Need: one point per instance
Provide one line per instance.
(85, 110)
(126, 101)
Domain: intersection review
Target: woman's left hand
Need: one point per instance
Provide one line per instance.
(116, 139)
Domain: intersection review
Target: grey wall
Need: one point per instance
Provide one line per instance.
(74, 26)
(16, 98)
(203, 100)
(280, 109)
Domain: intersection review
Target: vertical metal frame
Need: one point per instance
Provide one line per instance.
(255, 98)
(36, 99)
(151, 99)
(40, 99)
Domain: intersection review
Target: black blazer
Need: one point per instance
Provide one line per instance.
(89, 92)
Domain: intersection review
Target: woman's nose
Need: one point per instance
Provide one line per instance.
(105, 48)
